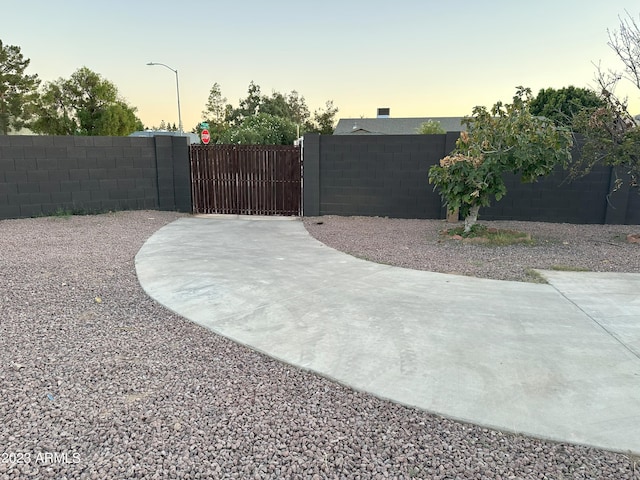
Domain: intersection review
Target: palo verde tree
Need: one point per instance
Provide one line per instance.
(507, 138)
(18, 91)
(84, 104)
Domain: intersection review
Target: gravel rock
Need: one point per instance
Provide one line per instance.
(420, 245)
(122, 388)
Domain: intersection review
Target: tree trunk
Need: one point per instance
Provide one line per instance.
(471, 219)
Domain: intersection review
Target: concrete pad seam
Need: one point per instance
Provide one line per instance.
(605, 329)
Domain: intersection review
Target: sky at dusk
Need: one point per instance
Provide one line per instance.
(420, 58)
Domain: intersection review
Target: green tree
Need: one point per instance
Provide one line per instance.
(217, 114)
(248, 106)
(55, 114)
(291, 108)
(18, 91)
(84, 104)
(508, 138)
(325, 119)
(261, 129)
(117, 119)
(565, 103)
(431, 127)
(298, 110)
(216, 110)
(275, 105)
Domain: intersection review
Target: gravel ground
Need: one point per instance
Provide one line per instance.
(418, 244)
(97, 381)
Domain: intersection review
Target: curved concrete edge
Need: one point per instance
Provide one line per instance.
(517, 357)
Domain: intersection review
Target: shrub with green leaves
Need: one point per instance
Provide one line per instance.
(507, 138)
(261, 129)
(431, 127)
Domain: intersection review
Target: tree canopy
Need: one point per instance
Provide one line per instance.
(84, 104)
(325, 119)
(563, 104)
(261, 129)
(216, 109)
(18, 91)
(507, 138)
(260, 119)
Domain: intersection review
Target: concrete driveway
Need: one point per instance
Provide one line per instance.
(558, 361)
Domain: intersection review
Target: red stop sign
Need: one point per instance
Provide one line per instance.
(205, 136)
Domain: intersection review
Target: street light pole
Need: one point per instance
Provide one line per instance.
(177, 91)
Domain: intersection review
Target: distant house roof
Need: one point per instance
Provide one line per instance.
(193, 138)
(393, 126)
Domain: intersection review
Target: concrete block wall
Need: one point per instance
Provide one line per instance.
(632, 216)
(387, 175)
(554, 199)
(383, 175)
(40, 175)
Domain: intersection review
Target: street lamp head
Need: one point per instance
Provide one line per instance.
(164, 65)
